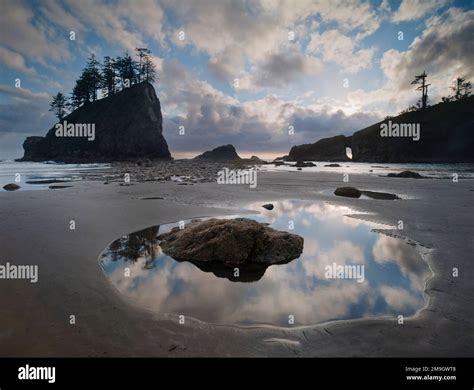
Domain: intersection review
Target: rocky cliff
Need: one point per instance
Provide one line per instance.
(446, 135)
(326, 149)
(127, 125)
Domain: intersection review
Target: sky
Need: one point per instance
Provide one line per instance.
(263, 75)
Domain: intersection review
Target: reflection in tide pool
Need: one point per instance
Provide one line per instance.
(395, 274)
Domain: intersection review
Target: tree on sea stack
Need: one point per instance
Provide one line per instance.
(92, 76)
(58, 105)
(80, 93)
(145, 66)
(141, 53)
(423, 87)
(461, 88)
(126, 70)
(149, 69)
(109, 75)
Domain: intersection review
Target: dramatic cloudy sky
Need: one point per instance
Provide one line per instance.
(345, 69)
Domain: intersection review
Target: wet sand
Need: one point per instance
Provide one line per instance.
(34, 229)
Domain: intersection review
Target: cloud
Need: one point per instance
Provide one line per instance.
(32, 37)
(241, 35)
(180, 288)
(15, 61)
(212, 118)
(24, 114)
(23, 94)
(392, 250)
(55, 13)
(341, 50)
(415, 9)
(445, 50)
(398, 298)
(343, 253)
(280, 69)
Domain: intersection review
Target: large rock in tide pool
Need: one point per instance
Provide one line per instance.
(127, 126)
(232, 242)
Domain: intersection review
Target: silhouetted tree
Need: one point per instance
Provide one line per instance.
(109, 74)
(149, 69)
(423, 87)
(461, 88)
(126, 70)
(80, 93)
(93, 76)
(141, 53)
(58, 105)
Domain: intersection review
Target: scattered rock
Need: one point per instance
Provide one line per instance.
(232, 242)
(153, 198)
(268, 206)
(350, 192)
(299, 169)
(302, 164)
(333, 165)
(380, 195)
(11, 187)
(58, 187)
(406, 174)
(47, 181)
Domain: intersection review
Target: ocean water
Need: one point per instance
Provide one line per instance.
(440, 171)
(35, 171)
(395, 273)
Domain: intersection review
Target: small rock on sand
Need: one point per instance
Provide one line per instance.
(303, 164)
(11, 187)
(380, 195)
(350, 192)
(406, 174)
(268, 206)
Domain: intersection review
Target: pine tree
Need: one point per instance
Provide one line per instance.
(81, 92)
(109, 74)
(423, 87)
(142, 52)
(126, 70)
(149, 69)
(58, 105)
(93, 76)
(461, 88)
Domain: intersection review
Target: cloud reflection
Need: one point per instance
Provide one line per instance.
(394, 274)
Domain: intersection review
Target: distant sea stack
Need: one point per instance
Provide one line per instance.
(326, 149)
(446, 135)
(221, 153)
(128, 125)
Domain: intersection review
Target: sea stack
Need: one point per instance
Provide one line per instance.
(221, 153)
(128, 125)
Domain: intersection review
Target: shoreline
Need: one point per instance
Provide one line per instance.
(89, 293)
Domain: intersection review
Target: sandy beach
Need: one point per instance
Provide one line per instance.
(437, 214)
